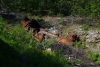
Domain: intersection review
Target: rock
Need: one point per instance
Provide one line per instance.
(92, 35)
(68, 51)
(10, 15)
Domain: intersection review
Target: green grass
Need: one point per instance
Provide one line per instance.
(19, 49)
(94, 56)
(85, 27)
(79, 44)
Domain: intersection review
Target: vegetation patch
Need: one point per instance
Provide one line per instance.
(85, 27)
(95, 56)
(19, 49)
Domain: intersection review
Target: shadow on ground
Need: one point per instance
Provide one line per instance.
(9, 57)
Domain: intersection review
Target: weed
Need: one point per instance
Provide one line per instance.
(94, 56)
(79, 44)
(60, 15)
(85, 27)
(62, 22)
(97, 24)
(97, 38)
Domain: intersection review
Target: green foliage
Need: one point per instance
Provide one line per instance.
(2, 24)
(85, 27)
(94, 56)
(53, 7)
(79, 44)
(97, 24)
(62, 22)
(97, 38)
(19, 49)
(60, 15)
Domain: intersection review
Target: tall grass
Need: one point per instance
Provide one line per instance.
(19, 49)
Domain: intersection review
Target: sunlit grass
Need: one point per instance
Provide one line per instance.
(19, 49)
